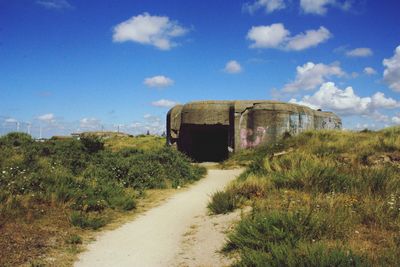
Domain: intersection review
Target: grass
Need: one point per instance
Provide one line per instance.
(332, 199)
(50, 189)
(141, 142)
(222, 202)
(74, 240)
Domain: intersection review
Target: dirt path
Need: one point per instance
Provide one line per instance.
(176, 233)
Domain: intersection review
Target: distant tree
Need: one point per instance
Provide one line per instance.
(163, 134)
(148, 132)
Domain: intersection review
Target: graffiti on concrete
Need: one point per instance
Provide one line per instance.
(328, 123)
(250, 138)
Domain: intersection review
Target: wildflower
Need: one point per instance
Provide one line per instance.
(4, 172)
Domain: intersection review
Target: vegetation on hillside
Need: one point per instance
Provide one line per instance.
(323, 198)
(142, 142)
(48, 188)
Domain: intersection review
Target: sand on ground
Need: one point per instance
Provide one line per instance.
(178, 232)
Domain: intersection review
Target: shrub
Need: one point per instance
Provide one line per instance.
(74, 240)
(222, 202)
(287, 238)
(307, 172)
(122, 202)
(306, 255)
(86, 221)
(16, 139)
(92, 143)
(262, 230)
(252, 187)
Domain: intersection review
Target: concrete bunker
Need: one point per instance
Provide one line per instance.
(209, 130)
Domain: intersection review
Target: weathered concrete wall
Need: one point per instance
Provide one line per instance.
(174, 123)
(248, 124)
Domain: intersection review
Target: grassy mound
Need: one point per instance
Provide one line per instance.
(328, 198)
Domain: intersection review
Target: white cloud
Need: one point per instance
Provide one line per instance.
(318, 7)
(233, 67)
(91, 123)
(378, 100)
(54, 4)
(268, 5)
(158, 31)
(362, 126)
(11, 120)
(310, 76)
(360, 52)
(158, 81)
(369, 71)
(354, 74)
(277, 36)
(308, 39)
(153, 123)
(49, 117)
(391, 74)
(346, 102)
(164, 103)
(267, 36)
(396, 119)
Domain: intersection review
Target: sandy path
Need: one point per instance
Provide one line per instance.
(160, 236)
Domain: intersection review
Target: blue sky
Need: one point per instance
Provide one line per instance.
(69, 65)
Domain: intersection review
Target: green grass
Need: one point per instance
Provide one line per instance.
(141, 142)
(81, 181)
(333, 199)
(87, 221)
(222, 202)
(74, 240)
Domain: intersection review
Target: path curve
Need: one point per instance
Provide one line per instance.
(155, 238)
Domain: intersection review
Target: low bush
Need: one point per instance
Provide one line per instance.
(223, 202)
(74, 240)
(87, 221)
(304, 255)
(279, 238)
(92, 143)
(250, 188)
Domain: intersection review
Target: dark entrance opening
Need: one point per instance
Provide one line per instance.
(204, 142)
